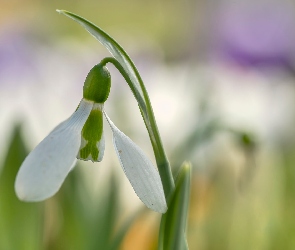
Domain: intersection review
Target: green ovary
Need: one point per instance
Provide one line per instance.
(92, 133)
(97, 84)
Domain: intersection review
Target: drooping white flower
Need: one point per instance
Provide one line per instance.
(81, 136)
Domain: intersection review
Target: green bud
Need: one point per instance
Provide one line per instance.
(97, 84)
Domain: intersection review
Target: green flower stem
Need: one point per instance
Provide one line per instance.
(150, 123)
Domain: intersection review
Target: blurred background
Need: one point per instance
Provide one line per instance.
(220, 75)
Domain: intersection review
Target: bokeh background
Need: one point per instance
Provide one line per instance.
(220, 75)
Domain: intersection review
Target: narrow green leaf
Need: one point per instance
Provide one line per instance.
(173, 223)
(127, 68)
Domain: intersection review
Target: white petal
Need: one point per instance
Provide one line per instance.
(45, 168)
(140, 171)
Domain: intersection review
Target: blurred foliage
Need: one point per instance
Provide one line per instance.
(164, 23)
(221, 214)
(235, 204)
(21, 223)
(72, 219)
(89, 221)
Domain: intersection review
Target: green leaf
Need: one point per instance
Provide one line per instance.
(173, 224)
(127, 68)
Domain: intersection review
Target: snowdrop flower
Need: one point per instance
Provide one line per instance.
(81, 136)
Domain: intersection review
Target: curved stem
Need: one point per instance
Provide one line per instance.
(150, 123)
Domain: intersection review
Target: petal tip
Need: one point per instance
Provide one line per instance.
(159, 207)
(162, 210)
(21, 193)
(24, 193)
